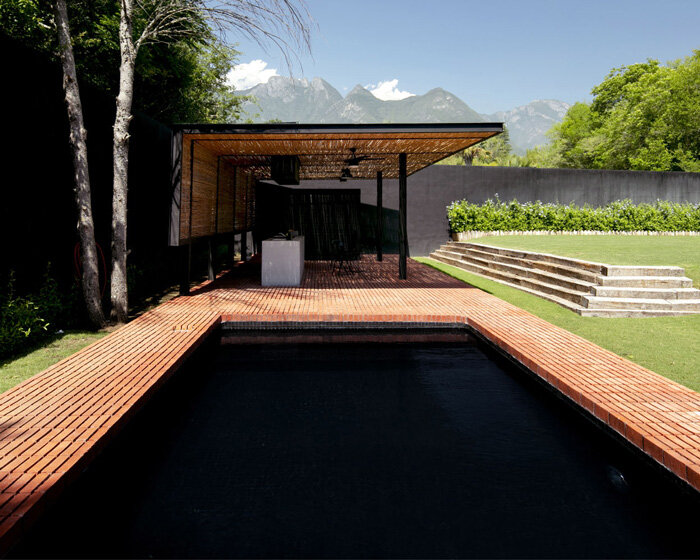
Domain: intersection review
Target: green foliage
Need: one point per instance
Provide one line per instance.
(643, 116)
(203, 94)
(27, 319)
(21, 321)
(27, 20)
(575, 139)
(496, 151)
(541, 156)
(182, 80)
(612, 91)
(537, 216)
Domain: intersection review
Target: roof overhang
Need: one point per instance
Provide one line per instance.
(323, 149)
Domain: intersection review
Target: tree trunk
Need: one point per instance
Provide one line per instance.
(120, 153)
(86, 227)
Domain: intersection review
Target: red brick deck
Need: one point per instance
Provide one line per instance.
(53, 424)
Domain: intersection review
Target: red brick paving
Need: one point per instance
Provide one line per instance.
(53, 424)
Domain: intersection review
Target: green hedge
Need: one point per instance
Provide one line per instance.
(620, 215)
(25, 320)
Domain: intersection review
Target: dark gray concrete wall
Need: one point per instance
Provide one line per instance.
(432, 189)
(595, 187)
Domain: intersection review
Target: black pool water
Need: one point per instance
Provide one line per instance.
(395, 450)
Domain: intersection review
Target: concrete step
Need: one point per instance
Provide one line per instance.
(646, 293)
(555, 268)
(565, 298)
(666, 282)
(691, 305)
(619, 270)
(533, 284)
(590, 289)
(598, 268)
(545, 257)
(523, 271)
(631, 313)
(593, 302)
(555, 295)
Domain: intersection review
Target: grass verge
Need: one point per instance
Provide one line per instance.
(17, 369)
(670, 346)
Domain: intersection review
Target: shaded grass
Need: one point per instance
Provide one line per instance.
(16, 370)
(612, 249)
(670, 346)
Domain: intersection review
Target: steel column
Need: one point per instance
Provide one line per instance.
(403, 235)
(186, 277)
(210, 261)
(380, 216)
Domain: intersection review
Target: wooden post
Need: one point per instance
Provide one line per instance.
(403, 236)
(380, 216)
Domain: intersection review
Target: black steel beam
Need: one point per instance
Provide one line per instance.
(283, 128)
(403, 235)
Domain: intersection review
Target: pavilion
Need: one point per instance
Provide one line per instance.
(215, 169)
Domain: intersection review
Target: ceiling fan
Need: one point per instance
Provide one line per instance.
(345, 174)
(354, 160)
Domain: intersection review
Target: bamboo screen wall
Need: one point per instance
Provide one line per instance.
(222, 195)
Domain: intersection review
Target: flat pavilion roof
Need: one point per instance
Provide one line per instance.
(324, 148)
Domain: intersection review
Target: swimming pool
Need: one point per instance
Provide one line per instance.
(364, 450)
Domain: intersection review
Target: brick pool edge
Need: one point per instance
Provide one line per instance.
(53, 424)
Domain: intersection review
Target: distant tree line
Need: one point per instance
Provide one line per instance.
(644, 116)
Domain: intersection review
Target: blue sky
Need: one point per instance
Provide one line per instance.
(494, 55)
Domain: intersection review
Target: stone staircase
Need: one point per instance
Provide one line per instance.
(589, 289)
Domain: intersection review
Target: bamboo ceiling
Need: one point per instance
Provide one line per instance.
(323, 150)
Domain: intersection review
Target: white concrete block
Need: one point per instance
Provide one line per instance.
(283, 261)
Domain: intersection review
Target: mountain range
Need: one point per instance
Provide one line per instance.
(316, 101)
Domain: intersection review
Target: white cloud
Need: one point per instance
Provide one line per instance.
(249, 74)
(387, 91)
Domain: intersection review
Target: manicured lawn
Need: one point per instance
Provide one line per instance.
(669, 346)
(16, 370)
(612, 249)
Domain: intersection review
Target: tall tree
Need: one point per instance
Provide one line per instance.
(181, 77)
(83, 198)
(265, 21)
(644, 116)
